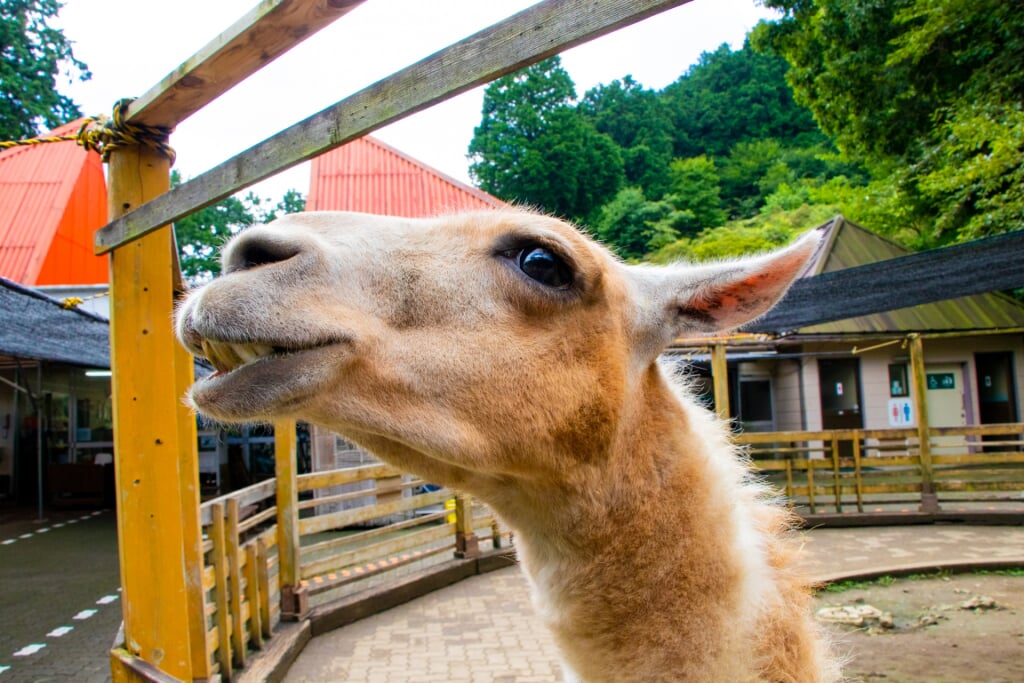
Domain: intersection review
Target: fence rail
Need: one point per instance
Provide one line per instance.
(380, 522)
(848, 470)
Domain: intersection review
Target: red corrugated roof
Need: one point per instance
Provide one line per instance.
(52, 199)
(370, 176)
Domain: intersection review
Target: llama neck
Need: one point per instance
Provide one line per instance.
(645, 543)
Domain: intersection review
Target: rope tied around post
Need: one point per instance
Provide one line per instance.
(104, 134)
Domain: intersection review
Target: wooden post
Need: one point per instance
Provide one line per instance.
(158, 529)
(466, 542)
(929, 501)
(293, 599)
(720, 376)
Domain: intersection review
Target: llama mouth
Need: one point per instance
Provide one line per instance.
(227, 356)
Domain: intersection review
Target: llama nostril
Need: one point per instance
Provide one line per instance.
(257, 250)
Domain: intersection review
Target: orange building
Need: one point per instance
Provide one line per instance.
(53, 197)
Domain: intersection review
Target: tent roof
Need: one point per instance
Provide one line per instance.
(38, 327)
(847, 245)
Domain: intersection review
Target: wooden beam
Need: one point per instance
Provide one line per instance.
(720, 378)
(986, 265)
(265, 33)
(534, 34)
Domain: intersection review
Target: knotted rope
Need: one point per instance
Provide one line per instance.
(104, 134)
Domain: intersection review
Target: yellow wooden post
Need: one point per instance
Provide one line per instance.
(720, 377)
(155, 467)
(293, 598)
(929, 501)
(466, 542)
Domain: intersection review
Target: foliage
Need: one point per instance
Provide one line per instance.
(633, 226)
(928, 93)
(201, 235)
(532, 148)
(639, 122)
(32, 57)
(729, 97)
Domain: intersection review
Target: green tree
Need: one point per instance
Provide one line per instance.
(926, 91)
(735, 96)
(640, 123)
(532, 147)
(632, 226)
(694, 196)
(33, 55)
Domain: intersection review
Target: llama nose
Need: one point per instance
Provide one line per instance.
(254, 248)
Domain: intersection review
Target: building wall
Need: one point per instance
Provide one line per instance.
(874, 374)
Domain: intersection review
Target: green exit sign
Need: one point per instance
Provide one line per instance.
(941, 380)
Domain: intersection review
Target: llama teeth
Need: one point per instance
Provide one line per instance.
(221, 356)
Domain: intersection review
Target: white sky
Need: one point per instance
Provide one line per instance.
(129, 45)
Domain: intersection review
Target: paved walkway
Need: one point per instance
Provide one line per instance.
(484, 630)
(60, 604)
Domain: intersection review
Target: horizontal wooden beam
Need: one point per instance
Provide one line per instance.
(265, 33)
(534, 34)
(987, 265)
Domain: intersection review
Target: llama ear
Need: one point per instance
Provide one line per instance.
(685, 299)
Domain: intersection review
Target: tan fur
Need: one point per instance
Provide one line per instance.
(652, 557)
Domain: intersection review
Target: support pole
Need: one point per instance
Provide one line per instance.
(466, 542)
(294, 601)
(720, 377)
(158, 526)
(929, 501)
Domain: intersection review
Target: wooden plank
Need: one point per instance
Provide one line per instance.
(250, 495)
(349, 475)
(336, 544)
(265, 33)
(235, 583)
(220, 568)
(263, 578)
(257, 519)
(285, 468)
(538, 32)
(378, 551)
(154, 529)
(364, 493)
(337, 520)
(720, 379)
(252, 595)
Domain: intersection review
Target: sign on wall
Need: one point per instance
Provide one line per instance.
(901, 412)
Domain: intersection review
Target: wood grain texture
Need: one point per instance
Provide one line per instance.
(265, 33)
(525, 38)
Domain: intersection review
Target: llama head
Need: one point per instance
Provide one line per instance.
(501, 342)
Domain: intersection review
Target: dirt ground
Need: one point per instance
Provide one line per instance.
(932, 637)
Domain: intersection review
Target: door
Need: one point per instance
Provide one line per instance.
(945, 398)
(840, 393)
(997, 396)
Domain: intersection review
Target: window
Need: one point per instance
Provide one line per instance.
(898, 381)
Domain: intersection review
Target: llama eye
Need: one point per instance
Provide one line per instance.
(544, 267)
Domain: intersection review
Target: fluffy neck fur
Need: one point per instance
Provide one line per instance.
(659, 560)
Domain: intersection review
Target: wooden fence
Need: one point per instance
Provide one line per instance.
(393, 521)
(851, 470)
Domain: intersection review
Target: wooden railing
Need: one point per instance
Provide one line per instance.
(387, 521)
(850, 470)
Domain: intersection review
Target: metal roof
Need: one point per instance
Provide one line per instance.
(370, 176)
(52, 198)
(847, 245)
(34, 326)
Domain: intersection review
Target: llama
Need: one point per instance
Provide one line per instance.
(507, 355)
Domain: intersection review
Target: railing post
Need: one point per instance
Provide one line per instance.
(294, 601)
(720, 378)
(929, 500)
(157, 502)
(466, 542)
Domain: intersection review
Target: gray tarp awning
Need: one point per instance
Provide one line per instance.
(35, 326)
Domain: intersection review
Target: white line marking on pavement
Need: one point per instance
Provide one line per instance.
(84, 614)
(72, 521)
(106, 600)
(25, 536)
(42, 531)
(10, 541)
(3, 668)
(58, 525)
(30, 649)
(61, 631)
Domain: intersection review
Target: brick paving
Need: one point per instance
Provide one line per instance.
(60, 603)
(484, 630)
